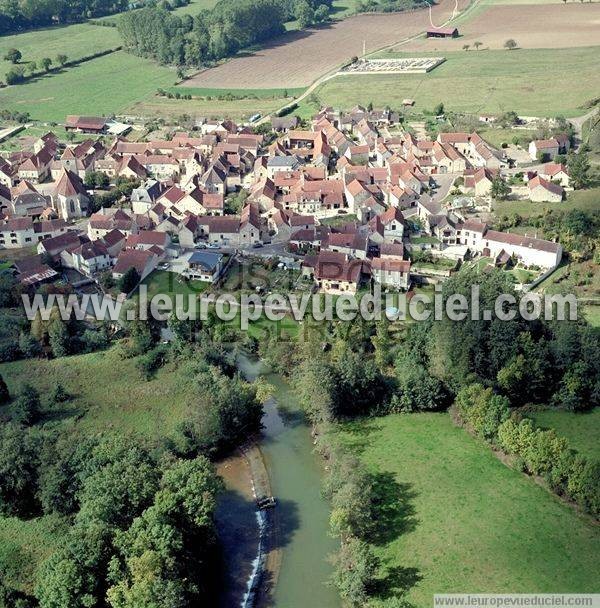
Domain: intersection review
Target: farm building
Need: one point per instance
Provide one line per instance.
(85, 124)
(442, 32)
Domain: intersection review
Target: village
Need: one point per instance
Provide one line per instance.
(353, 199)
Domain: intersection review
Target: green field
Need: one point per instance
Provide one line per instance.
(109, 393)
(461, 521)
(162, 281)
(24, 544)
(586, 200)
(74, 41)
(485, 81)
(103, 86)
(581, 429)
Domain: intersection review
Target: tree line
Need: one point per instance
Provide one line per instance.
(19, 16)
(214, 34)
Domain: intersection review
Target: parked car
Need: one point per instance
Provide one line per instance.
(257, 245)
(200, 246)
(214, 246)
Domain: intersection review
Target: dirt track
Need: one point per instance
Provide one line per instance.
(532, 26)
(297, 59)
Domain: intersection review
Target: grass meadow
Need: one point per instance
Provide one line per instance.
(74, 41)
(536, 82)
(581, 429)
(462, 521)
(108, 393)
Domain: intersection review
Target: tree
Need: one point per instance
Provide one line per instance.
(439, 109)
(579, 168)
(321, 15)
(129, 280)
(45, 63)
(510, 44)
(477, 44)
(13, 55)
(61, 59)
(59, 394)
(466, 47)
(121, 485)
(500, 189)
(59, 338)
(18, 470)
(26, 408)
(15, 75)
(31, 68)
(4, 394)
(305, 14)
(355, 571)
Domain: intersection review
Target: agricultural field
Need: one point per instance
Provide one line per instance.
(133, 405)
(299, 58)
(490, 82)
(103, 86)
(74, 41)
(581, 429)
(556, 26)
(462, 520)
(236, 109)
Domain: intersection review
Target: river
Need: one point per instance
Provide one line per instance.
(295, 473)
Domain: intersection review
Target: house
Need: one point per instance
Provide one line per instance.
(350, 244)
(471, 233)
(543, 191)
(442, 32)
(147, 239)
(91, 258)
(86, 124)
(70, 196)
(144, 261)
(278, 164)
(479, 180)
(358, 155)
(392, 221)
(16, 232)
(543, 149)
(204, 266)
(284, 124)
(56, 245)
(335, 274)
(391, 272)
(36, 168)
(106, 220)
(555, 172)
(25, 200)
(530, 251)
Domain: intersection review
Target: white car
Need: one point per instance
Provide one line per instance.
(214, 246)
(200, 246)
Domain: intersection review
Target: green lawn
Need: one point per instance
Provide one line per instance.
(461, 521)
(74, 41)
(25, 544)
(581, 429)
(498, 136)
(106, 85)
(586, 200)
(486, 81)
(161, 281)
(109, 393)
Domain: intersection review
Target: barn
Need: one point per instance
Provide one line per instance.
(442, 32)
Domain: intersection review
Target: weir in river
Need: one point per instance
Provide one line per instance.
(296, 570)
